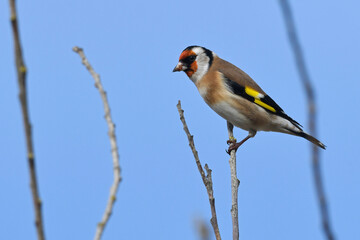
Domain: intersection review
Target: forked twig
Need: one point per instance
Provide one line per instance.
(21, 75)
(207, 180)
(114, 149)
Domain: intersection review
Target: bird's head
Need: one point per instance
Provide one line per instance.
(195, 61)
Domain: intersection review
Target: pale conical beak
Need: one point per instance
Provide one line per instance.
(179, 67)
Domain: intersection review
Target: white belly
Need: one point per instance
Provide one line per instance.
(228, 112)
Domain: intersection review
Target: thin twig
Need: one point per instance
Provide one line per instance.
(207, 180)
(114, 149)
(310, 95)
(234, 187)
(234, 195)
(21, 74)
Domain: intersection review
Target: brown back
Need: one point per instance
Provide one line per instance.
(235, 74)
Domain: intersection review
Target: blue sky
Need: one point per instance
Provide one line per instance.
(134, 46)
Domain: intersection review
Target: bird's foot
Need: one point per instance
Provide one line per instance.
(233, 146)
(231, 140)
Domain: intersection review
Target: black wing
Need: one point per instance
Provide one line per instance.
(260, 99)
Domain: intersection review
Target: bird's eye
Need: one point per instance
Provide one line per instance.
(192, 58)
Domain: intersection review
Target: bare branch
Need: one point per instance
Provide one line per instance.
(21, 75)
(207, 179)
(234, 187)
(310, 95)
(234, 195)
(114, 149)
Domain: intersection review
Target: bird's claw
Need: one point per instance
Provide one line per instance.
(231, 140)
(232, 147)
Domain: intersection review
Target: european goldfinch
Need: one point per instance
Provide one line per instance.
(236, 97)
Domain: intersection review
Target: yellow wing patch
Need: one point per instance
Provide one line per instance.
(264, 105)
(255, 94)
(252, 92)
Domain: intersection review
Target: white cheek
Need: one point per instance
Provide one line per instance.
(201, 71)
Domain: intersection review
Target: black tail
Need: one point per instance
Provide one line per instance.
(308, 137)
(311, 139)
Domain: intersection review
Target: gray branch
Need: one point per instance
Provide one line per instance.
(114, 149)
(234, 187)
(234, 195)
(207, 180)
(21, 75)
(311, 105)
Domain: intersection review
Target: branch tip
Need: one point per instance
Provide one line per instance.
(206, 180)
(114, 149)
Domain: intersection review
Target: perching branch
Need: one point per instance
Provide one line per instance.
(21, 75)
(234, 195)
(310, 96)
(207, 180)
(114, 149)
(234, 187)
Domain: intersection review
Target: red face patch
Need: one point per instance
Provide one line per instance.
(192, 68)
(185, 54)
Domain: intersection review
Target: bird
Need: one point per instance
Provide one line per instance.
(236, 97)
